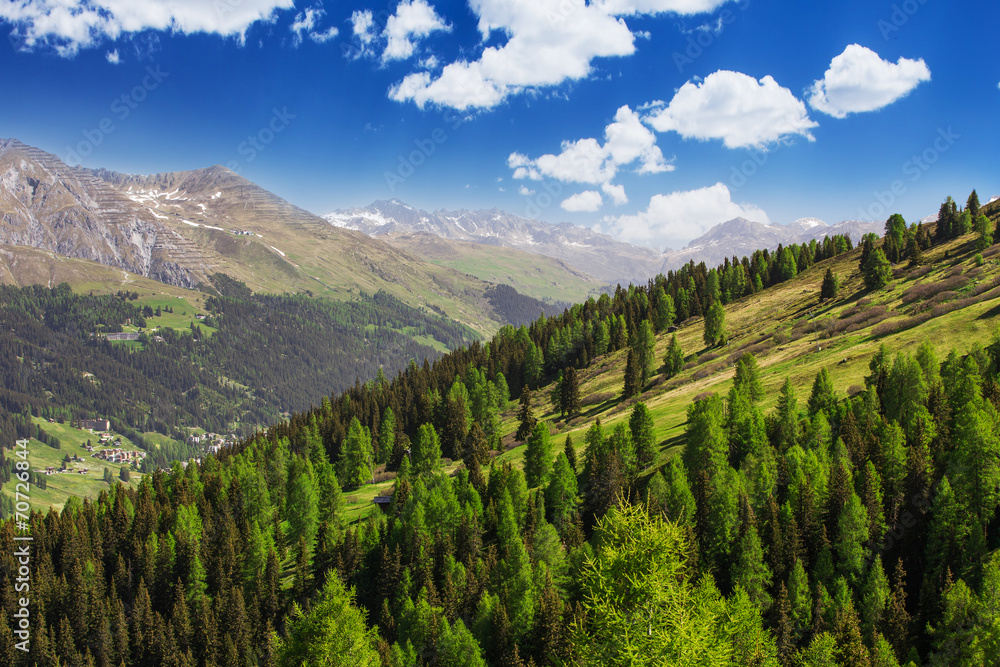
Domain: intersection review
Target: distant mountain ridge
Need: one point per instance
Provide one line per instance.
(595, 254)
(589, 251)
(741, 237)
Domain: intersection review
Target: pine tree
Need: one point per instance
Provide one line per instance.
(831, 285)
(549, 631)
(874, 598)
(525, 416)
(560, 494)
(386, 435)
(332, 633)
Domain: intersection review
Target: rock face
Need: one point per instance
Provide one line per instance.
(594, 253)
(71, 211)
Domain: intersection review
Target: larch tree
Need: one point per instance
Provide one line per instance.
(643, 344)
(538, 456)
(673, 361)
(426, 453)
(334, 633)
(715, 325)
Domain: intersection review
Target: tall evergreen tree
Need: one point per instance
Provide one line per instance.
(673, 361)
(715, 325)
(525, 416)
(877, 271)
(830, 287)
(643, 344)
(640, 424)
(538, 456)
(570, 393)
(633, 376)
(426, 453)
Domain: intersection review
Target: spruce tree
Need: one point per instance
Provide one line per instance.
(570, 393)
(525, 416)
(750, 571)
(570, 452)
(831, 285)
(633, 376)
(877, 271)
(898, 619)
(972, 205)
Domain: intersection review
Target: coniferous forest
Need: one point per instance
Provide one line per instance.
(855, 529)
(270, 355)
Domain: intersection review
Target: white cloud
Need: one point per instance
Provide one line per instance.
(676, 218)
(587, 201)
(616, 192)
(626, 141)
(581, 161)
(363, 25)
(547, 43)
(524, 191)
(113, 57)
(413, 19)
(859, 80)
(305, 24)
(69, 26)
(736, 108)
(523, 167)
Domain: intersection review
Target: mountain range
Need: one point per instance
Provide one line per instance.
(181, 227)
(594, 253)
(589, 251)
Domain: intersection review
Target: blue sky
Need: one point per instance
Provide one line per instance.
(649, 119)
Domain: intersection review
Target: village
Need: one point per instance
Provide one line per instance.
(211, 443)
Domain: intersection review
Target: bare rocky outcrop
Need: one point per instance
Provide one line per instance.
(47, 204)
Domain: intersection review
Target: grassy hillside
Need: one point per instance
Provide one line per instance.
(948, 301)
(793, 335)
(535, 275)
(61, 486)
